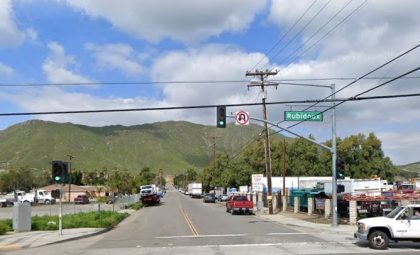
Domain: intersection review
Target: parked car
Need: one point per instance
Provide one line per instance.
(209, 198)
(81, 199)
(223, 198)
(239, 203)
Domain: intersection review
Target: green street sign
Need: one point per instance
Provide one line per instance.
(302, 116)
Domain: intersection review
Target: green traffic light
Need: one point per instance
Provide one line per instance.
(221, 123)
(57, 178)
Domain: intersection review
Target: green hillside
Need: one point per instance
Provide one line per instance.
(172, 146)
(410, 168)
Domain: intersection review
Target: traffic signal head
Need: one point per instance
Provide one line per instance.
(59, 172)
(221, 117)
(339, 169)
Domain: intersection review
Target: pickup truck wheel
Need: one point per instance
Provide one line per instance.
(378, 240)
(47, 202)
(232, 212)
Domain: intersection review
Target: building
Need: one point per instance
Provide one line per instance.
(75, 190)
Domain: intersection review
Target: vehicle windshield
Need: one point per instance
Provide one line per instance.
(394, 212)
(240, 198)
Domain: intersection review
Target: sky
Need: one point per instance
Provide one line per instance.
(107, 44)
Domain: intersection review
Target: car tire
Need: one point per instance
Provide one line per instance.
(378, 240)
(47, 202)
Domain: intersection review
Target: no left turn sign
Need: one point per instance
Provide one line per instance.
(242, 118)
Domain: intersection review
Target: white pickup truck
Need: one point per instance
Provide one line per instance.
(401, 224)
(7, 199)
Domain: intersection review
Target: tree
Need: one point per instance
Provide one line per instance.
(17, 179)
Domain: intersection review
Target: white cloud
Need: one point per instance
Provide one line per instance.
(10, 35)
(400, 146)
(182, 20)
(56, 66)
(119, 57)
(6, 70)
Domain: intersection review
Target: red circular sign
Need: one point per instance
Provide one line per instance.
(242, 118)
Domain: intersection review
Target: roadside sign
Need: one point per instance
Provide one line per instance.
(302, 116)
(257, 182)
(242, 118)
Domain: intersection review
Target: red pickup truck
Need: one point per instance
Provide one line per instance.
(239, 203)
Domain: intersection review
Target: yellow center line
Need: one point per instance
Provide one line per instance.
(188, 220)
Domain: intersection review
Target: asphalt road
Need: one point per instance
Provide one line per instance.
(181, 225)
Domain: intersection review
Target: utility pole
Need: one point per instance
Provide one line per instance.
(213, 147)
(70, 158)
(263, 75)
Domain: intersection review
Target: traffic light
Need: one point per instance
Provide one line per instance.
(221, 116)
(339, 169)
(60, 172)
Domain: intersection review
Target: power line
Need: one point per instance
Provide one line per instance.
(319, 30)
(369, 90)
(207, 106)
(367, 74)
(284, 35)
(280, 81)
(301, 31)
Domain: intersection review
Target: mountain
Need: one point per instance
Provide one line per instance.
(413, 168)
(172, 146)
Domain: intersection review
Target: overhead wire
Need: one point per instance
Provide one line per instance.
(284, 35)
(330, 31)
(300, 31)
(317, 31)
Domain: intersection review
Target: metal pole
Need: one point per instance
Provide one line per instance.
(334, 160)
(60, 216)
(284, 167)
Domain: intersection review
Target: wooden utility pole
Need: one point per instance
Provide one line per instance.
(263, 75)
(213, 176)
(70, 158)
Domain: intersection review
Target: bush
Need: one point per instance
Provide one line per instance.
(102, 219)
(134, 206)
(5, 226)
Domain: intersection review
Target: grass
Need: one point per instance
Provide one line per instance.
(102, 219)
(5, 226)
(134, 206)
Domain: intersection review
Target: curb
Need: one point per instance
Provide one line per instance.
(74, 238)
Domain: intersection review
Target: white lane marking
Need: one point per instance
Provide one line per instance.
(283, 233)
(202, 236)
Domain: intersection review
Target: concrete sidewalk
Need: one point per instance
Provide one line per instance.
(16, 241)
(341, 233)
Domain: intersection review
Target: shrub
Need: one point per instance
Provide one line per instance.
(5, 226)
(102, 219)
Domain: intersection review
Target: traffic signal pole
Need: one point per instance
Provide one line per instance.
(334, 161)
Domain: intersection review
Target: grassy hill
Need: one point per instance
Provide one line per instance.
(172, 146)
(410, 168)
